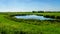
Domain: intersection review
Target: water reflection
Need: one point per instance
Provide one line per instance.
(33, 17)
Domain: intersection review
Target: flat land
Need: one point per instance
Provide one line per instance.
(9, 26)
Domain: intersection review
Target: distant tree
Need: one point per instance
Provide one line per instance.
(34, 11)
(40, 11)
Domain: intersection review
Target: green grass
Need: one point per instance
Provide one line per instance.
(55, 14)
(8, 26)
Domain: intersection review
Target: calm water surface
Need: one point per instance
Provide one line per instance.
(33, 17)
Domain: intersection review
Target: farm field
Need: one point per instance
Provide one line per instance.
(9, 25)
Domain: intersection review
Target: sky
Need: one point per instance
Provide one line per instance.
(29, 5)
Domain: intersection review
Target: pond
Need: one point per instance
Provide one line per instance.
(33, 17)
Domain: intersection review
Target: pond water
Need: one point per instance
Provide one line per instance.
(33, 17)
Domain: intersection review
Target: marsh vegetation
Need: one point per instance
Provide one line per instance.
(11, 25)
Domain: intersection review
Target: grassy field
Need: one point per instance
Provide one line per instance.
(8, 26)
(55, 14)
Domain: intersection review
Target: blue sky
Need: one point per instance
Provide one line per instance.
(29, 5)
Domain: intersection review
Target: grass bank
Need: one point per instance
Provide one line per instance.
(8, 26)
